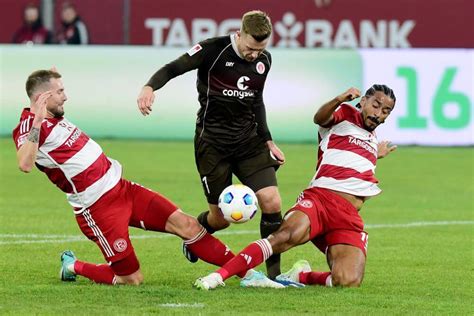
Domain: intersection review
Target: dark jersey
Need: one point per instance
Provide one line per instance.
(230, 90)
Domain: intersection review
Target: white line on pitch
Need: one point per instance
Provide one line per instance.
(32, 238)
(182, 305)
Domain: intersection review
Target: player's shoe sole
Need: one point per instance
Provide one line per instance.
(289, 283)
(67, 258)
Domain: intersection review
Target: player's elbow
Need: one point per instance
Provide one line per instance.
(320, 120)
(25, 167)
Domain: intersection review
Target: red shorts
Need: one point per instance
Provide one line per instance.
(106, 222)
(333, 219)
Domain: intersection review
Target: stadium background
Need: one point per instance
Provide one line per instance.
(319, 49)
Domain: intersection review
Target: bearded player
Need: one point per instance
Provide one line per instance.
(327, 212)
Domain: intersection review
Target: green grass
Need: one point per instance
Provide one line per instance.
(410, 270)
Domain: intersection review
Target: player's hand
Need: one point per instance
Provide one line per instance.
(384, 148)
(276, 152)
(349, 95)
(39, 106)
(145, 100)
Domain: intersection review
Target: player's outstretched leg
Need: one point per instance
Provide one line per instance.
(294, 231)
(71, 267)
(197, 240)
(203, 220)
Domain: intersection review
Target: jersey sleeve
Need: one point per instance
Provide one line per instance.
(261, 120)
(344, 112)
(268, 65)
(191, 60)
(259, 106)
(21, 131)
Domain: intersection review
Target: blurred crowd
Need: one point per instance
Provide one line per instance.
(32, 31)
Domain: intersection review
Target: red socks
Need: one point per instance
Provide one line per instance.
(320, 278)
(209, 249)
(99, 273)
(255, 253)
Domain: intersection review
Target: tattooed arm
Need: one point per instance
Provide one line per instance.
(26, 154)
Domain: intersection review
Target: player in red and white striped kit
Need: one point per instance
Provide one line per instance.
(104, 203)
(327, 212)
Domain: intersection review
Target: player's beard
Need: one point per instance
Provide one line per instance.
(373, 120)
(58, 112)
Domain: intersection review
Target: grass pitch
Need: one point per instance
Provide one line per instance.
(420, 258)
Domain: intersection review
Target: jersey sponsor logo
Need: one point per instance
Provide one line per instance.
(241, 83)
(120, 245)
(260, 67)
(196, 48)
(237, 93)
(241, 93)
(73, 138)
(361, 143)
(306, 203)
(229, 64)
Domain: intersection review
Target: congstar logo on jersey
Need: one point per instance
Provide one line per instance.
(241, 93)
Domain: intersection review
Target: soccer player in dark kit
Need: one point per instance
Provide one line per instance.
(232, 136)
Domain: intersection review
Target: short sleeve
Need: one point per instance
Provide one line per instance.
(21, 131)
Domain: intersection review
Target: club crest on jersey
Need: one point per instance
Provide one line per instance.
(260, 67)
(120, 245)
(306, 203)
(196, 48)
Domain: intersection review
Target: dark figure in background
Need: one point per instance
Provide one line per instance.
(73, 30)
(32, 31)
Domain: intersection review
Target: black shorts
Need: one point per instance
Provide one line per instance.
(251, 162)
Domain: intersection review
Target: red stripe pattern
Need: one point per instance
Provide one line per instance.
(71, 160)
(347, 155)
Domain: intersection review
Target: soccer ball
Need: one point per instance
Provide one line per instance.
(238, 203)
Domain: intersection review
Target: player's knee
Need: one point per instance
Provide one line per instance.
(272, 206)
(188, 227)
(346, 278)
(133, 279)
(270, 201)
(136, 280)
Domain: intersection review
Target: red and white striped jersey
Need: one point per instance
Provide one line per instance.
(70, 159)
(347, 155)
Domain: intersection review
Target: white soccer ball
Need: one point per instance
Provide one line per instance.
(238, 203)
